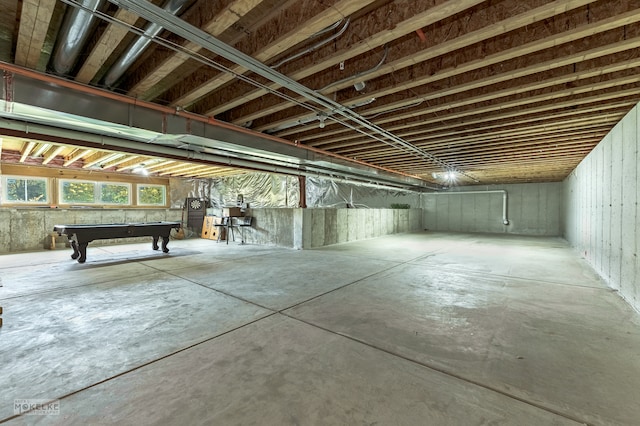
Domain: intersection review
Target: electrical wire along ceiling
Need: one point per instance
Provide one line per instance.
(450, 92)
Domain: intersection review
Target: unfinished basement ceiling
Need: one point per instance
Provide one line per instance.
(498, 91)
(36, 152)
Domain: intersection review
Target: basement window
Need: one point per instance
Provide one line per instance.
(88, 192)
(28, 190)
(152, 195)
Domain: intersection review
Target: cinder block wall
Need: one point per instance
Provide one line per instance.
(532, 209)
(601, 215)
(27, 229)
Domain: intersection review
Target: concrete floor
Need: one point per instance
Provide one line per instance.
(413, 329)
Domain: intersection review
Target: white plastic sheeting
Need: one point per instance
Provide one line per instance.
(339, 194)
(257, 189)
(183, 188)
(273, 190)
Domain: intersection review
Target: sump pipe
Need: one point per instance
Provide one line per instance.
(505, 219)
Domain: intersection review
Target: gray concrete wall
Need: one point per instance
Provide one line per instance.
(27, 229)
(280, 227)
(309, 228)
(601, 217)
(532, 209)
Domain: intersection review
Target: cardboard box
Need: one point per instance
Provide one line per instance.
(231, 212)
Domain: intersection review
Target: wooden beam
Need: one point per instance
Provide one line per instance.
(8, 26)
(161, 165)
(470, 117)
(485, 124)
(26, 150)
(42, 147)
(219, 24)
(185, 169)
(75, 156)
(34, 24)
(490, 31)
(507, 92)
(199, 173)
(536, 46)
(361, 47)
(173, 167)
(105, 46)
(535, 68)
(116, 162)
(222, 171)
(51, 155)
(99, 157)
(132, 165)
(340, 10)
(453, 141)
(552, 101)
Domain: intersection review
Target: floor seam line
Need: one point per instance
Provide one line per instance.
(224, 293)
(342, 287)
(145, 364)
(422, 256)
(484, 274)
(53, 290)
(441, 371)
(276, 310)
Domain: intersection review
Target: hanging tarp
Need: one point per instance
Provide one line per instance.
(272, 190)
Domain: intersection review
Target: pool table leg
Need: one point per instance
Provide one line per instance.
(82, 249)
(154, 244)
(165, 241)
(76, 252)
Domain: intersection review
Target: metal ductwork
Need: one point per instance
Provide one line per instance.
(79, 23)
(140, 44)
(77, 114)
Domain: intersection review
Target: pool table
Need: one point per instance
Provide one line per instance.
(81, 235)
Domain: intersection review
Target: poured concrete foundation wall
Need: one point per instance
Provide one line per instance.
(308, 228)
(532, 209)
(273, 227)
(29, 229)
(601, 216)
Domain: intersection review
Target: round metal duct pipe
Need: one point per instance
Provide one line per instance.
(139, 45)
(77, 26)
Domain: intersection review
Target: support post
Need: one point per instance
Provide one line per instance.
(302, 183)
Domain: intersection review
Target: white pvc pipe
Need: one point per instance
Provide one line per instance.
(505, 219)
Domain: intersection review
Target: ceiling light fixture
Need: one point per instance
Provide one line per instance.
(321, 119)
(141, 170)
(450, 176)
